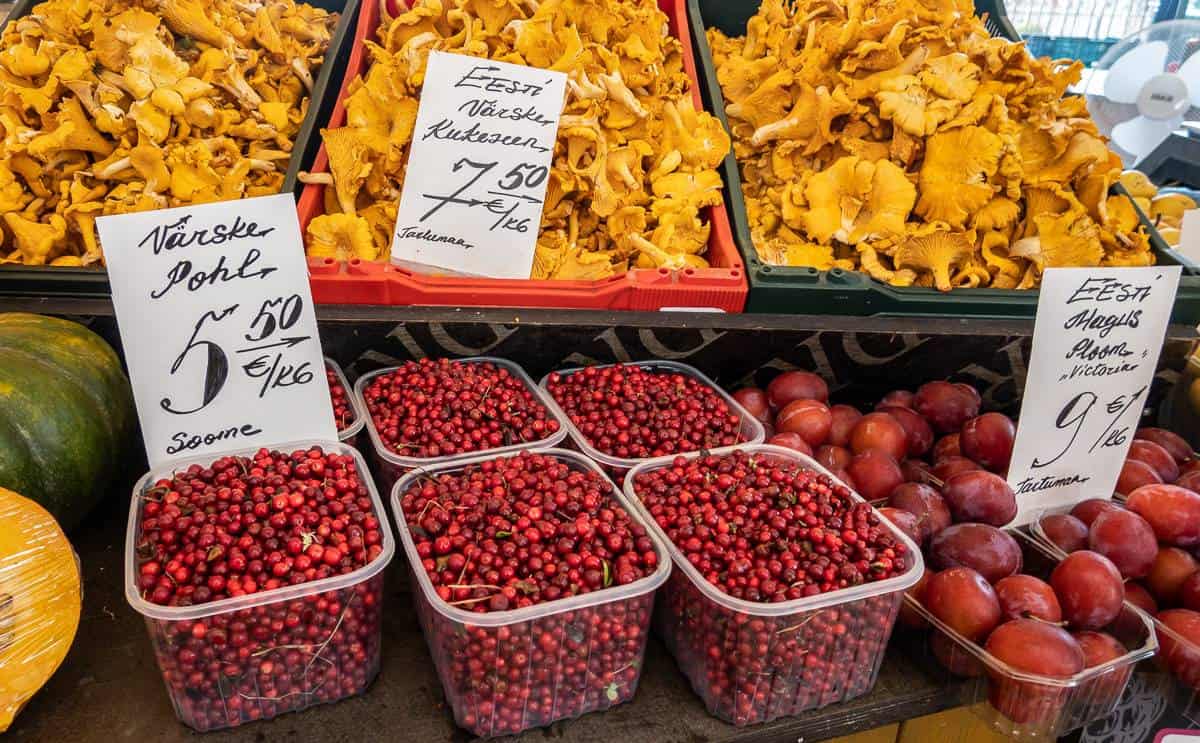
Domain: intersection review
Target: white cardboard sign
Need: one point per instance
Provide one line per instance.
(478, 168)
(1189, 235)
(217, 321)
(1095, 348)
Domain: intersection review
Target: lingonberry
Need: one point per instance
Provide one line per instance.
(511, 533)
(344, 414)
(203, 538)
(438, 408)
(636, 412)
(762, 528)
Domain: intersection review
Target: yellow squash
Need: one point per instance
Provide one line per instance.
(40, 600)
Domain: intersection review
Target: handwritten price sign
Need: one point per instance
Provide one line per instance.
(1095, 347)
(217, 321)
(479, 166)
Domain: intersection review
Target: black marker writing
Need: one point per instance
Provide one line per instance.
(276, 373)
(185, 441)
(503, 204)
(175, 235)
(453, 198)
(195, 279)
(1099, 369)
(488, 108)
(278, 313)
(1030, 485)
(1072, 414)
(1089, 350)
(1095, 289)
(1094, 319)
(418, 233)
(448, 130)
(1075, 413)
(483, 77)
(216, 368)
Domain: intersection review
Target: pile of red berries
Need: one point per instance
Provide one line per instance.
(437, 408)
(635, 412)
(512, 533)
(764, 529)
(750, 669)
(343, 410)
(507, 679)
(246, 525)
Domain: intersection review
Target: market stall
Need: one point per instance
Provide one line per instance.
(813, 370)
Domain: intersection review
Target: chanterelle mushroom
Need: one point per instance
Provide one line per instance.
(341, 237)
(1071, 239)
(981, 129)
(103, 104)
(630, 140)
(36, 242)
(934, 248)
(856, 200)
(954, 177)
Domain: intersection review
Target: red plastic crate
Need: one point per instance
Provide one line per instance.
(722, 286)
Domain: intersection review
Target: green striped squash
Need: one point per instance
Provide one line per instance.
(66, 414)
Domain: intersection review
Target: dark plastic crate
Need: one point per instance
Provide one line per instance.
(1088, 51)
(795, 290)
(93, 283)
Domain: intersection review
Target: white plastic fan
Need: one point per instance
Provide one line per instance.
(1146, 86)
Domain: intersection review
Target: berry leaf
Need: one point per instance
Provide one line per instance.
(607, 574)
(610, 691)
(214, 552)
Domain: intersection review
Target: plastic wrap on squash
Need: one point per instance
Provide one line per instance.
(40, 599)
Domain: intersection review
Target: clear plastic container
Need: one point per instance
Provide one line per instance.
(392, 466)
(1176, 666)
(1026, 705)
(1174, 673)
(754, 662)
(751, 429)
(348, 431)
(509, 671)
(259, 679)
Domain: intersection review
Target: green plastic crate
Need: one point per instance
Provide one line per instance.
(41, 281)
(792, 290)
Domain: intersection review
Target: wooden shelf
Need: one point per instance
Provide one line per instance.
(365, 314)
